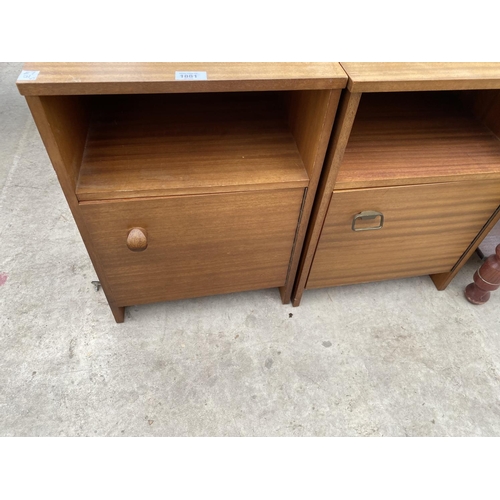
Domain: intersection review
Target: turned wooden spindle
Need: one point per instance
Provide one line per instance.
(486, 280)
(137, 240)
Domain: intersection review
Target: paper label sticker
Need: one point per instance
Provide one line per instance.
(190, 75)
(28, 75)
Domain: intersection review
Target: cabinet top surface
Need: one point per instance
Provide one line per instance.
(143, 78)
(396, 77)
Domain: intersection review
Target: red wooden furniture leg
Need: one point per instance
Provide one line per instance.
(486, 280)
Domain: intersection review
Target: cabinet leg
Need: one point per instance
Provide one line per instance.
(297, 297)
(486, 280)
(118, 313)
(285, 294)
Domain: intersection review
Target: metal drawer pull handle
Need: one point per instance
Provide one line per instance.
(368, 215)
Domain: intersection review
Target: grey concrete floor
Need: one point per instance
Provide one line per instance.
(396, 358)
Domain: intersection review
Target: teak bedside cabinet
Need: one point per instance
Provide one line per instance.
(187, 179)
(411, 182)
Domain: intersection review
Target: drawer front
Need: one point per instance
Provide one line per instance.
(426, 229)
(196, 245)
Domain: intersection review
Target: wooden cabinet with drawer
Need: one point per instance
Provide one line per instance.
(187, 180)
(411, 183)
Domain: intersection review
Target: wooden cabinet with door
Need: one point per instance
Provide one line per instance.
(187, 180)
(411, 182)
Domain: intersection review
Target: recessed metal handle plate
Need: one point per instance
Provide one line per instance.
(368, 215)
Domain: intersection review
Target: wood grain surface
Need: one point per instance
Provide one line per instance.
(311, 116)
(426, 230)
(396, 77)
(159, 145)
(67, 118)
(310, 123)
(442, 280)
(485, 105)
(416, 137)
(123, 154)
(146, 78)
(335, 153)
(197, 245)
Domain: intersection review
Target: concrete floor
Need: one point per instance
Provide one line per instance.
(396, 358)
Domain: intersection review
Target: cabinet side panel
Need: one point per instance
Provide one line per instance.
(338, 142)
(442, 280)
(485, 105)
(307, 115)
(68, 119)
(65, 156)
(311, 115)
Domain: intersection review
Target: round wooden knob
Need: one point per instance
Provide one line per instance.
(137, 240)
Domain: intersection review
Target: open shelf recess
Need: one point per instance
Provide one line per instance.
(158, 145)
(416, 137)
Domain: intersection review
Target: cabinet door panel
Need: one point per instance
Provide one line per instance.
(426, 229)
(196, 245)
